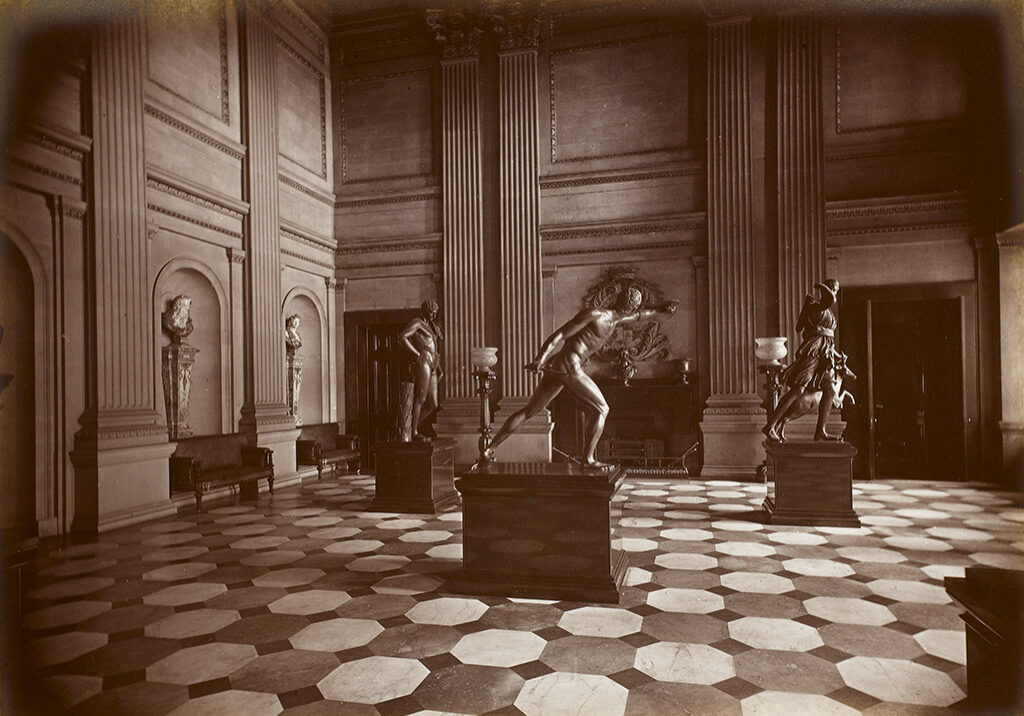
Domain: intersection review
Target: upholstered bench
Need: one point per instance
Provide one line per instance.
(202, 463)
(323, 444)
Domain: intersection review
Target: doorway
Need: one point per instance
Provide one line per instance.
(372, 378)
(910, 422)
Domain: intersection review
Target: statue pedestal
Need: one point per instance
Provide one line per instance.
(414, 477)
(541, 530)
(810, 483)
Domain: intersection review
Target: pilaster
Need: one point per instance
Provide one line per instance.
(121, 451)
(331, 349)
(733, 418)
(1011, 345)
(801, 185)
(458, 34)
(264, 410)
(518, 27)
(236, 264)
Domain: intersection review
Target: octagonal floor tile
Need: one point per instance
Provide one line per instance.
(262, 629)
(797, 538)
(336, 634)
(406, 584)
(61, 648)
(757, 582)
(309, 602)
(662, 698)
(447, 611)
(900, 681)
(66, 690)
(250, 703)
(285, 578)
(945, 644)
(373, 680)
(691, 601)
(560, 693)
(917, 543)
(871, 554)
(588, 655)
(201, 663)
(600, 621)
(261, 542)
(641, 522)
(181, 594)
(284, 671)
(676, 560)
(959, 533)
(844, 610)
(684, 663)
(335, 533)
(174, 554)
(686, 535)
(861, 640)
(425, 536)
(498, 647)
(272, 558)
(468, 689)
(71, 588)
(191, 623)
(60, 615)
(179, 572)
(378, 563)
(638, 544)
(818, 567)
(745, 549)
(446, 551)
(689, 628)
(401, 524)
(789, 671)
(771, 703)
(766, 633)
(906, 591)
(415, 641)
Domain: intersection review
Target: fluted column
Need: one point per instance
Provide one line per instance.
(1011, 342)
(518, 26)
(801, 168)
(733, 417)
(264, 410)
(120, 452)
(462, 233)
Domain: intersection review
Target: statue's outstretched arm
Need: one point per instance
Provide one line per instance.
(567, 330)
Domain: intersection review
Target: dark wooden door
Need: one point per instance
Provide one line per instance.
(373, 363)
(917, 376)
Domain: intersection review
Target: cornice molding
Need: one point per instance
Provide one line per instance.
(898, 228)
(420, 195)
(303, 257)
(193, 220)
(696, 221)
(560, 181)
(58, 139)
(309, 191)
(45, 171)
(305, 236)
(183, 188)
(412, 243)
(169, 117)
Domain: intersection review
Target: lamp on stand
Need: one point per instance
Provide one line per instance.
(483, 359)
(770, 351)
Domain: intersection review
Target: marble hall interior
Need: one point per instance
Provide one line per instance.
(217, 217)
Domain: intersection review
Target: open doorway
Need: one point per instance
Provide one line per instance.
(911, 418)
(373, 375)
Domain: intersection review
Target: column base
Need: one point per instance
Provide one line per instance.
(272, 427)
(1013, 455)
(532, 442)
(120, 486)
(733, 438)
(458, 421)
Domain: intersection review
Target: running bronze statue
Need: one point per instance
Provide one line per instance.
(814, 380)
(560, 362)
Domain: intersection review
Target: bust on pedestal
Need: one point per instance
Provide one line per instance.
(809, 482)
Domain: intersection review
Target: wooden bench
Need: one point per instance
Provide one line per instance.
(202, 463)
(324, 444)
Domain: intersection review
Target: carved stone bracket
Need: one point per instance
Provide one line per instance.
(457, 31)
(517, 23)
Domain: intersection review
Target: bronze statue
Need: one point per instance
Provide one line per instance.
(814, 378)
(421, 337)
(561, 360)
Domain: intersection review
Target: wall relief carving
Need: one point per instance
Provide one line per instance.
(632, 343)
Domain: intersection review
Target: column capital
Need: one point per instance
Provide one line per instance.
(235, 256)
(1014, 236)
(457, 31)
(516, 22)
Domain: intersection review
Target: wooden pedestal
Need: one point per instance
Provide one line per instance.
(415, 477)
(994, 625)
(810, 483)
(541, 530)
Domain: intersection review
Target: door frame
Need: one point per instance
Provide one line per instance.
(966, 293)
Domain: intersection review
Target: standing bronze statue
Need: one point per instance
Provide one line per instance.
(815, 376)
(560, 363)
(421, 337)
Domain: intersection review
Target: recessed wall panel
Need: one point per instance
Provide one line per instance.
(301, 111)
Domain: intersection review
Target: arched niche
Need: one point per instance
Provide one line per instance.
(26, 412)
(209, 410)
(313, 403)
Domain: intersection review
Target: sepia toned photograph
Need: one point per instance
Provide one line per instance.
(512, 357)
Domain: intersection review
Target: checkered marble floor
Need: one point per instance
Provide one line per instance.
(306, 604)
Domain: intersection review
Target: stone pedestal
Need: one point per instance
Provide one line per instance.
(541, 530)
(415, 477)
(810, 483)
(294, 385)
(178, 360)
